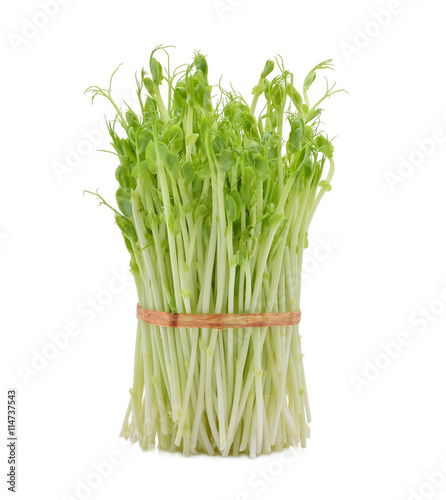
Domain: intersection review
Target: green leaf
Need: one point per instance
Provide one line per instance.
(175, 138)
(197, 187)
(204, 172)
(261, 166)
(207, 99)
(257, 90)
(143, 138)
(124, 178)
(130, 152)
(307, 165)
(206, 233)
(132, 119)
(138, 169)
(309, 80)
(200, 212)
(245, 193)
(227, 160)
(151, 157)
(296, 98)
(253, 150)
(127, 243)
(269, 67)
(199, 92)
(204, 124)
(163, 151)
(295, 140)
(238, 201)
(148, 84)
(324, 146)
(174, 221)
(188, 172)
(173, 164)
(249, 125)
(246, 236)
(191, 139)
(152, 220)
(233, 262)
(127, 228)
(299, 159)
(275, 140)
(278, 95)
(201, 64)
(231, 208)
(156, 70)
(124, 203)
(249, 176)
(219, 144)
(313, 115)
(276, 220)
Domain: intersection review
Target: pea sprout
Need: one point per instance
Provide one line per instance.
(214, 203)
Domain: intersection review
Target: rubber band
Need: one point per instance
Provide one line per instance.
(217, 321)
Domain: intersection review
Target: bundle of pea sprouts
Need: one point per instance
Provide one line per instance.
(214, 202)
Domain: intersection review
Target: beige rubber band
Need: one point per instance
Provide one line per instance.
(217, 321)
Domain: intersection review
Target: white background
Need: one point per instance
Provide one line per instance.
(370, 438)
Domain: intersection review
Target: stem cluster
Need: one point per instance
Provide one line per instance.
(214, 204)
